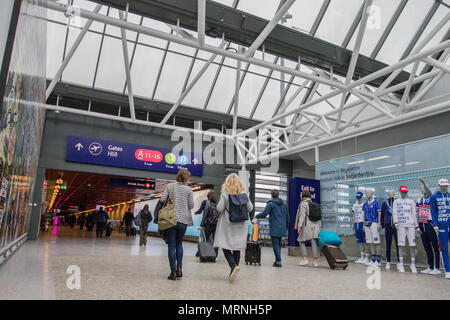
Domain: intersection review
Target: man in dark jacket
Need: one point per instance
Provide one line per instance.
(128, 219)
(143, 219)
(101, 219)
(278, 221)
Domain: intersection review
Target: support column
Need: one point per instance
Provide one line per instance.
(35, 216)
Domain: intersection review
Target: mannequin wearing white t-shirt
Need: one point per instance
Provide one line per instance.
(363, 247)
(406, 224)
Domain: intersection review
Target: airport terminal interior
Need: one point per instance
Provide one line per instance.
(311, 137)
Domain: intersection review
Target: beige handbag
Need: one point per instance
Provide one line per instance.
(167, 216)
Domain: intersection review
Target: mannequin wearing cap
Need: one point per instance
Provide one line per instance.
(372, 227)
(440, 214)
(358, 228)
(405, 220)
(427, 233)
(387, 223)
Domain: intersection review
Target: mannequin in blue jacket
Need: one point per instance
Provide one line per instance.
(278, 214)
(440, 214)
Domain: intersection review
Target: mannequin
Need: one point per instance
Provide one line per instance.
(358, 228)
(440, 214)
(388, 224)
(405, 221)
(427, 233)
(372, 227)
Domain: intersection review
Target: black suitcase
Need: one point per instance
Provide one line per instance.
(108, 231)
(253, 253)
(335, 257)
(133, 232)
(206, 250)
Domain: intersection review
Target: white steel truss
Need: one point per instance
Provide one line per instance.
(368, 110)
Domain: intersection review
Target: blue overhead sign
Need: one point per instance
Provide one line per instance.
(127, 155)
(132, 183)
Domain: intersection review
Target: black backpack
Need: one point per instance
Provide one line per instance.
(315, 212)
(238, 207)
(213, 215)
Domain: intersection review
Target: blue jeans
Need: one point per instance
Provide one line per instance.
(175, 237)
(276, 244)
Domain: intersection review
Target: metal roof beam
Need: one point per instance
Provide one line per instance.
(244, 28)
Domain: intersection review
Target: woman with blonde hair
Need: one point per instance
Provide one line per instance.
(231, 236)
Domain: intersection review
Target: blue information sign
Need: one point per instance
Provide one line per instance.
(132, 183)
(127, 155)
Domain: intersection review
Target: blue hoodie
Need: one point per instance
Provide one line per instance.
(278, 217)
(440, 209)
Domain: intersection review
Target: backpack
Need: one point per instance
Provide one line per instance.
(315, 212)
(213, 215)
(238, 207)
(137, 219)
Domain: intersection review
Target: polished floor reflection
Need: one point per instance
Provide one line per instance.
(117, 268)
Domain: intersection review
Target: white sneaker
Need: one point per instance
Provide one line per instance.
(400, 267)
(435, 272)
(303, 263)
(360, 260)
(365, 261)
(377, 264)
(447, 275)
(426, 271)
(315, 264)
(413, 268)
(388, 266)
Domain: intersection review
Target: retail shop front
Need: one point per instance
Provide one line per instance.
(379, 172)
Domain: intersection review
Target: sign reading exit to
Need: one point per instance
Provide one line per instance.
(127, 155)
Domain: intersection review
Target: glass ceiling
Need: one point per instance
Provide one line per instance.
(161, 70)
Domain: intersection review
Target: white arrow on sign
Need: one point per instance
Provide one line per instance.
(79, 146)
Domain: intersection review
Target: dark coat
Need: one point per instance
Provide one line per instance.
(278, 217)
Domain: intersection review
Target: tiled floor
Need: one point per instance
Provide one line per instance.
(118, 268)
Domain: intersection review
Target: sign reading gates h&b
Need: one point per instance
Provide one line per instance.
(127, 155)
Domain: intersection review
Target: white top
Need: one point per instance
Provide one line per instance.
(358, 212)
(404, 213)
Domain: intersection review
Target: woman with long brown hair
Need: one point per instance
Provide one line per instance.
(231, 236)
(182, 196)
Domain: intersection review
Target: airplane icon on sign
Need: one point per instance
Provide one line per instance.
(95, 148)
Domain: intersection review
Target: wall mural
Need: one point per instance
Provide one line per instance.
(21, 122)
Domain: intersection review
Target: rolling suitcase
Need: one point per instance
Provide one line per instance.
(133, 232)
(205, 249)
(253, 250)
(335, 257)
(108, 231)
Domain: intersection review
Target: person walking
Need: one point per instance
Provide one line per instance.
(142, 220)
(278, 214)
(232, 236)
(82, 221)
(128, 219)
(210, 219)
(307, 230)
(183, 198)
(101, 219)
(201, 210)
